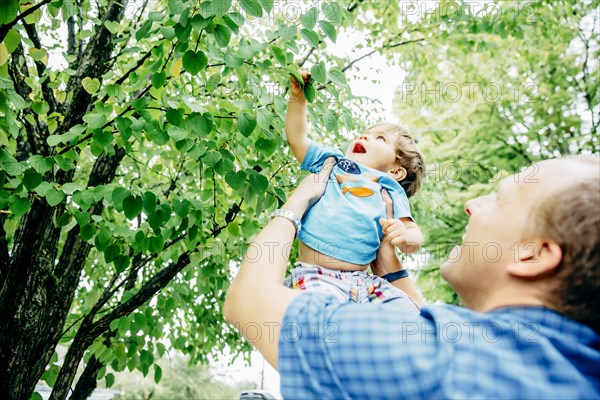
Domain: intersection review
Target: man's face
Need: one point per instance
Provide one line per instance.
(494, 236)
(375, 149)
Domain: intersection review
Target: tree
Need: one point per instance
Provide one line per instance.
(493, 90)
(129, 152)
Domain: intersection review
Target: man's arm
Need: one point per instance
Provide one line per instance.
(257, 299)
(296, 125)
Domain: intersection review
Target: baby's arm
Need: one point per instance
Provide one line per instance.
(406, 234)
(296, 125)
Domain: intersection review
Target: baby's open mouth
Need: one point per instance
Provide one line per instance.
(358, 148)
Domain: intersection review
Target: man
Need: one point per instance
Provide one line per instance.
(528, 272)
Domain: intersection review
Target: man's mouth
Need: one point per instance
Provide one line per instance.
(358, 148)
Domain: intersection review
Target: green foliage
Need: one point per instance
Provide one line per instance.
(175, 379)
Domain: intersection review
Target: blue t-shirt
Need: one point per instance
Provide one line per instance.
(344, 223)
(334, 350)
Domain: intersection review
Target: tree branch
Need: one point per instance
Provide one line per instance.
(18, 72)
(6, 27)
(4, 256)
(41, 68)
(146, 292)
(93, 64)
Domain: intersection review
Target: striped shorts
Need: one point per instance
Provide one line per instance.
(348, 286)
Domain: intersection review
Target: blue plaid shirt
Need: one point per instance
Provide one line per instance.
(329, 349)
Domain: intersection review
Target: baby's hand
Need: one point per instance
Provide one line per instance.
(394, 231)
(296, 92)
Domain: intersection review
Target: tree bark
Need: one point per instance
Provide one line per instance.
(87, 381)
(36, 294)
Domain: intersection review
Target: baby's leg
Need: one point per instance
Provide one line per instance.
(316, 278)
(374, 289)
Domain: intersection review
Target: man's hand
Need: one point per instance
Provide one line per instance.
(296, 92)
(310, 190)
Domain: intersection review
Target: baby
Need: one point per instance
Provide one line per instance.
(341, 233)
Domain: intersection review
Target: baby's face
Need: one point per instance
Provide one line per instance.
(375, 149)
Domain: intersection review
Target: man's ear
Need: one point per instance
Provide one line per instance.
(398, 173)
(535, 258)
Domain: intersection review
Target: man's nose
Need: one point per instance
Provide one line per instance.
(473, 204)
(364, 136)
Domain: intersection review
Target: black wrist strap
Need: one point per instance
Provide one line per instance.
(394, 276)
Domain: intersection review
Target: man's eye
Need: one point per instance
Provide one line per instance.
(381, 138)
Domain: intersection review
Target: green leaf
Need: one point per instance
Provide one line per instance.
(103, 238)
(330, 119)
(251, 7)
(176, 133)
(41, 164)
(54, 140)
(159, 79)
(121, 262)
(287, 32)
(201, 124)
(309, 19)
(218, 8)
(12, 40)
(311, 37)
(319, 72)
(294, 72)
(329, 30)
(211, 158)
(54, 197)
(182, 208)
(222, 35)
(110, 380)
(194, 61)
(224, 166)
(333, 12)
(31, 179)
(235, 180)
(19, 206)
(40, 107)
(258, 183)
(143, 31)
(102, 138)
(17, 101)
(95, 120)
(232, 60)
(111, 252)
(10, 8)
(246, 123)
(338, 77)
(264, 118)
(157, 243)
(36, 396)
(149, 202)
(118, 195)
(279, 55)
(157, 373)
(265, 146)
(176, 7)
(90, 85)
(87, 232)
(38, 54)
(267, 5)
(132, 206)
(309, 90)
